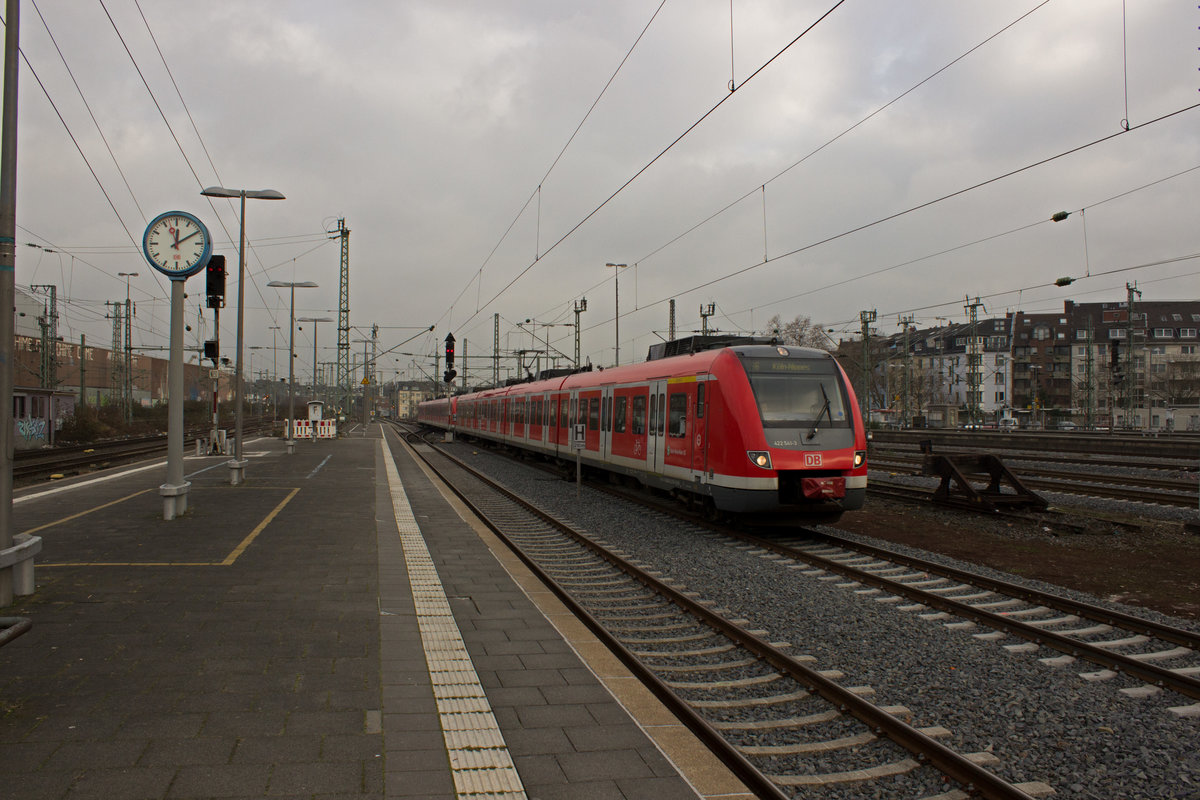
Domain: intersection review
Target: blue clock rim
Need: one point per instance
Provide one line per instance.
(178, 275)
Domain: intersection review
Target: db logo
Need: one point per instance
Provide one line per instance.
(812, 459)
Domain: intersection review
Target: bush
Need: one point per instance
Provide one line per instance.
(84, 427)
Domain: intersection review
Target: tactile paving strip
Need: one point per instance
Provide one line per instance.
(479, 759)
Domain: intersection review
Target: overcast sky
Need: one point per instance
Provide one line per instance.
(888, 159)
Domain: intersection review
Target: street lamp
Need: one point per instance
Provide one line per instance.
(617, 305)
(314, 321)
(128, 349)
(291, 424)
(238, 465)
(274, 377)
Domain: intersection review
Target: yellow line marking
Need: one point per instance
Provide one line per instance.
(85, 513)
(131, 564)
(237, 551)
(229, 559)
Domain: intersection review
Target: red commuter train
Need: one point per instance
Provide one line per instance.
(744, 427)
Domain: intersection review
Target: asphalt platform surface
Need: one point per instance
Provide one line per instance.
(264, 645)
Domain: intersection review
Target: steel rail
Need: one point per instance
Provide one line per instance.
(927, 750)
(1088, 484)
(1119, 619)
(717, 744)
(1150, 673)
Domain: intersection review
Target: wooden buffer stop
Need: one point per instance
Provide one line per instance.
(961, 473)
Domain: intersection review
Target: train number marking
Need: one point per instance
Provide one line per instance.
(812, 459)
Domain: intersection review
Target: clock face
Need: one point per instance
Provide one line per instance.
(177, 244)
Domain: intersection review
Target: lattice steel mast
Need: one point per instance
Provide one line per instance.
(345, 377)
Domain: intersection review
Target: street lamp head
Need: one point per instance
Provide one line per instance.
(610, 264)
(258, 194)
(294, 284)
(127, 274)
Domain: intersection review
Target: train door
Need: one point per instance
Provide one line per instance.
(700, 426)
(656, 440)
(606, 411)
(680, 422)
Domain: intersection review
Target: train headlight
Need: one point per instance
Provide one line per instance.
(860, 458)
(761, 458)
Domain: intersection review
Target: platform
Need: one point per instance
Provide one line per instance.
(268, 644)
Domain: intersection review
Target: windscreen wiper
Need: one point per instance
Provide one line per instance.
(824, 411)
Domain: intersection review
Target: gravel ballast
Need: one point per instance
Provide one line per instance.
(1044, 723)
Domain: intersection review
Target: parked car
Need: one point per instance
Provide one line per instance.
(1066, 426)
(1008, 424)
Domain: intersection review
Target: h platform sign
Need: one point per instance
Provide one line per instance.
(578, 436)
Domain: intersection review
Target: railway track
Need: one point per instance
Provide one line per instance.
(1138, 489)
(1118, 643)
(1162, 656)
(30, 466)
(774, 717)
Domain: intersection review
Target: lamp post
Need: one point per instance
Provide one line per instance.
(314, 321)
(274, 376)
(617, 306)
(128, 349)
(291, 422)
(237, 467)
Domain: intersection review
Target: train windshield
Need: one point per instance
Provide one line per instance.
(792, 392)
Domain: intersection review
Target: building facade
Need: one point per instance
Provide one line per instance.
(1092, 365)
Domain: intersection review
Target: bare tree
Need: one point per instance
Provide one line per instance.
(800, 332)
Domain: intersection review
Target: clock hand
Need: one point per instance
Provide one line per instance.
(178, 240)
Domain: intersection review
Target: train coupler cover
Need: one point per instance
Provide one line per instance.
(823, 488)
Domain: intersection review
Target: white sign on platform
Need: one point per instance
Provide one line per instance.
(578, 436)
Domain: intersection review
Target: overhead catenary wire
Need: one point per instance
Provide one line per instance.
(843, 133)
(478, 278)
(973, 243)
(846, 131)
(921, 206)
(958, 301)
(88, 106)
(655, 159)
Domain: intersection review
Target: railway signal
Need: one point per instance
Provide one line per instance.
(450, 373)
(214, 282)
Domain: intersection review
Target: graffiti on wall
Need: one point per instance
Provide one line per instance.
(31, 429)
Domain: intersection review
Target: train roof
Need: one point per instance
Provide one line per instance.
(687, 361)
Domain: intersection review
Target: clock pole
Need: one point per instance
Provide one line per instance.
(174, 491)
(164, 246)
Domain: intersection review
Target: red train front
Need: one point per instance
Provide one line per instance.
(744, 428)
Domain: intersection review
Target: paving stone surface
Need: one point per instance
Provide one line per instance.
(265, 645)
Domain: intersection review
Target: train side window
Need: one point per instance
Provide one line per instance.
(607, 420)
(619, 414)
(662, 412)
(699, 401)
(639, 415)
(594, 414)
(677, 416)
(653, 414)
